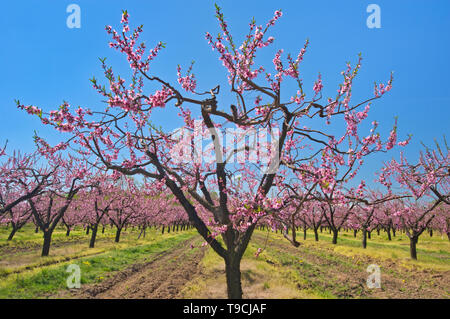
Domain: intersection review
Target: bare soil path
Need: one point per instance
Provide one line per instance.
(345, 277)
(160, 278)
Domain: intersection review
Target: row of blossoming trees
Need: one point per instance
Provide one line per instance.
(301, 172)
(50, 191)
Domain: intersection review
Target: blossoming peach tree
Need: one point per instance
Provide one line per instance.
(222, 197)
(427, 184)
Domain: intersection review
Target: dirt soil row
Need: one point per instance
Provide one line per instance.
(346, 276)
(163, 277)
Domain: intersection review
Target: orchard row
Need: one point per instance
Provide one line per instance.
(311, 177)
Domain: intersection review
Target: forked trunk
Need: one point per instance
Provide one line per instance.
(389, 233)
(292, 238)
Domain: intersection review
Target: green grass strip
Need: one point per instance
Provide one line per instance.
(49, 280)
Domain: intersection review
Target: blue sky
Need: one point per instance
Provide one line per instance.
(43, 62)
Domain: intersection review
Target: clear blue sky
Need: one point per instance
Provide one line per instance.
(43, 62)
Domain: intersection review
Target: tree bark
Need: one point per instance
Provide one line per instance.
(364, 238)
(11, 235)
(389, 233)
(233, 274)
(93, 236)
(47, 241)
(413, 247)
(335, 236)
(118, 235)
(316, 234)
(355, 231)
(304, 233)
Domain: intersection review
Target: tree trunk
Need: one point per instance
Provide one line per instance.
(335, 236)
(162, 232)
(364, 238)
(103, 229)
(304, 233)
(355, 231)
(68, 232)
(233, 274)
(393, 232)
(142, 232)
(118, 235)
(11, 235)
(36, 230)
(87, 230)
(93, 236)
(47, 241)
(389, 233)
(369, 234)
(316, 234)
(413, 247)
